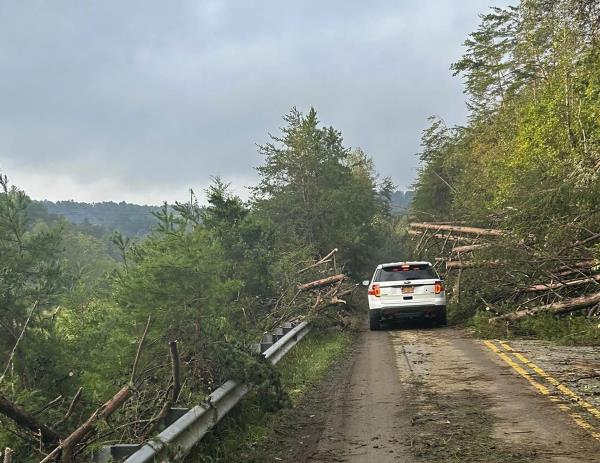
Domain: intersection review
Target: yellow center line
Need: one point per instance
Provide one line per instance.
(540, 387)
(576, 417)
(561, 387)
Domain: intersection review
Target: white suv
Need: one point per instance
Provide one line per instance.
(406, 290)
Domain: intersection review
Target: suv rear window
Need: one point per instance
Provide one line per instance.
(406, 272)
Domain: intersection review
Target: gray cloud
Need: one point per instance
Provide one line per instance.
(140, 100)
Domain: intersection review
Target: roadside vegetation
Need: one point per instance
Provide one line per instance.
(83, 316)
(245, 434)
(527, 163)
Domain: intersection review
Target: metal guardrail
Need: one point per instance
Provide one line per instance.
(278, 350)
(176, 440)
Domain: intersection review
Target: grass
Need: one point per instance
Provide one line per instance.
(235, 438)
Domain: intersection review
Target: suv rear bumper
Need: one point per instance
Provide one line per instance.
(410, 312)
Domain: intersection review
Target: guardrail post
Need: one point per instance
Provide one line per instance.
(174, 414)
(266, 342)
(277, 334)
(116, 452)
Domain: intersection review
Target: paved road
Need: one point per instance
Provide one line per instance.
(436, 395)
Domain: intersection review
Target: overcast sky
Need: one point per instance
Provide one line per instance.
(141, 100)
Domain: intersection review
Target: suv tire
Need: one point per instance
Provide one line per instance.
(442, 318)
(374, 320)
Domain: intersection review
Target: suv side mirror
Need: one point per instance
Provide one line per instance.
(366, 283)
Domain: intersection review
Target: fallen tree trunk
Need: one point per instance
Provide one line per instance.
(322, 282)
(103, 412)
(441, 236)
(458, 229)
(558, 284)
(589, 263)
(471, 264)
(25, 420)
(8, 454)
(564, 306)
(580, 243)
(466, 249)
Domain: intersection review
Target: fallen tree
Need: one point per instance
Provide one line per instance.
(28, 421)
(559, 284)
(323, 282)
(564, 306)
(66, 446)
(453, 264)
(442, 236)
(457, 229)
(467, 248)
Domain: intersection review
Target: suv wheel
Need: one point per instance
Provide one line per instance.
(442, 318)
(374, 320)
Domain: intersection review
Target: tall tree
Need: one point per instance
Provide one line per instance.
(317, 193)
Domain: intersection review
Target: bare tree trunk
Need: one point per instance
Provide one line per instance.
(547, 286)
(470, 264)
(467, 248)
(441, 236)
(323, 282)
(458, 229)
(27, 421)
(8, 454)
(103, 412)
(564, 306)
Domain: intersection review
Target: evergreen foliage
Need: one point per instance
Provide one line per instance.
(212, 277)
(528, 160)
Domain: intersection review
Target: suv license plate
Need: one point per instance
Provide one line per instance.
(408, 289)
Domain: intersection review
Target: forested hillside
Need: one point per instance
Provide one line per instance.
(527, 163)
(128, 219)
(211, 278)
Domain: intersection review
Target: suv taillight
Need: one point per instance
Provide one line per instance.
(375, 291)
(438, 288)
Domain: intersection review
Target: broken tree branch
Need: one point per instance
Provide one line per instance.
(472, 264)
(580, 243)
(467, 248)
(175, 370)
(589, 263)
(101, 413)
(442, 236)
(139, 351)
(564, 306)
(324, 260)
(322, 282)
(27, 421)
(8, 454)
(71, 408)
(50, 404)
(555, 285)
(12, 353)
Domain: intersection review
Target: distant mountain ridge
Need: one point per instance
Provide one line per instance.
(137, 220)
(129, 219)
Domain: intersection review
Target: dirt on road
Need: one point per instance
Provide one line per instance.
(436, 395)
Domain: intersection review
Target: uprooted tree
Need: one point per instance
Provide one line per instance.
(569, 280)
